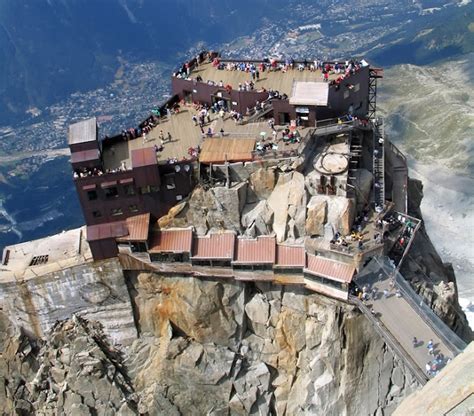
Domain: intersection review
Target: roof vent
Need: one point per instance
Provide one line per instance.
(37, 260)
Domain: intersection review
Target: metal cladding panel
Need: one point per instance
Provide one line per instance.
(309, 93)
(103, 249)
(172, 241)
(330, 269)
(255, 251)
(83, 131)
(138, 227)
(144, 157)
(85, 156)
(147, 175)
(107, 230)
(214, 246)
(290, 256)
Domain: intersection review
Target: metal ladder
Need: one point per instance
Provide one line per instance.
(378, 168)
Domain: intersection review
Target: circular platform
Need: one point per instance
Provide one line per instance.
(331, 163)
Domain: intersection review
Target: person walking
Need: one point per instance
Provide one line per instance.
(415, 342)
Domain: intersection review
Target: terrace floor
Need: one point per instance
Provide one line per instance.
(184, 135)
(275, 80)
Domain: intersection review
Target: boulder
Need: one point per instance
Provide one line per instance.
(257, 219)
(261, 184)
(316, 216)
(257, 309)
(338, 214)
(289, 191)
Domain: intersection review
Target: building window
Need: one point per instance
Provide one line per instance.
(133, 208)
(92, 195)
(37, 260)
(111, 192)
(96, 214)
(129, 190)
(145, 189)
(116, 211)
(169, 181)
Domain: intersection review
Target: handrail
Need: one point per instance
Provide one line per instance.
(452, 341)
(391, 341)
(274, 154)
(412, 238)
(397, 151)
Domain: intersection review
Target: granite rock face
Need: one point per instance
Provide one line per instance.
(94, 290)
(266, 349)
(434, 280)
(75, 372)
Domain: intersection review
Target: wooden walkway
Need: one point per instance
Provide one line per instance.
(271, 80)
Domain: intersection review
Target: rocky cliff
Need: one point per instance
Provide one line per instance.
(202, 346)
(215, 348)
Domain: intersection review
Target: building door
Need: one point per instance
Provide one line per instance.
(188, 97)
(284, 119)
(219, 99)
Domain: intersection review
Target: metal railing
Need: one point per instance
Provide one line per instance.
(397, 152)
(382, 268)
(443, 331)
(274, 154)
(391, 341)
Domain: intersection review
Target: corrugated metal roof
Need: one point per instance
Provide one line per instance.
(214, 246)
(290, 256)
(107, 230)
(172, 241)
(138, 227)
(255, 251)
(232, 150)
(330, 269)
(85, 156)
(83, 131)
(144, 157)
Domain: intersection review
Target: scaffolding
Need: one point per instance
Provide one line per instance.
(374, 75)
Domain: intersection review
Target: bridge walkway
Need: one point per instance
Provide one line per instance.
(400, 317)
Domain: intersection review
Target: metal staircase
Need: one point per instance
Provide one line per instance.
(378, 168)
(268, 108)
(354, 163)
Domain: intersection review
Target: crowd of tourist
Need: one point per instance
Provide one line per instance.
(86, 172)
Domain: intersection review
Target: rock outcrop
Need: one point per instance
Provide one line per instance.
(75, 372)
(209, 346)
(288, 202)
(93, 290)
(265, 349)
(432, 279)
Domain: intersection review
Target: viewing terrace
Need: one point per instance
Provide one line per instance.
(276, 79)
(176, 136)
